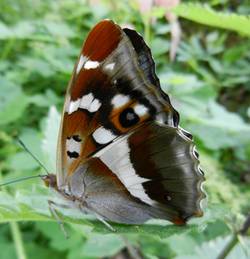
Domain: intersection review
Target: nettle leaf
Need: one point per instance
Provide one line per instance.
(224, 196)
(32, 205)
(54, 234)
(212, 123)
(36, 65)
(5, 32)
(216, 246)
(60, 57)
(47, 99)
(205, 15)
(49, 142)
(201, 115)
(59, 29)
(13, 101)
(179, 84)
(160, 46)
(99, 245)
(41, 252)
(21, 30)
(22, 161)
(219, 128)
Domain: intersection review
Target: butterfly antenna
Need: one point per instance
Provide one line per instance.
(32, 155)
(22, 179)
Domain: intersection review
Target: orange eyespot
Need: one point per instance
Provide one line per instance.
(128, 116)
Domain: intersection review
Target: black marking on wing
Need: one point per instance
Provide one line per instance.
(128, 118)
(147, 64)
(73, 154)
(76, 138)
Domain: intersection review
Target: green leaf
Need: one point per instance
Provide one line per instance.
(36, 65)
(51, 231)
(12, 101)
(5, 32)
(99, 245)
(213, 124)
(160, 46)
(22, 161)
(49, 143)
(222, 192)
(216, 246)
(59, 29)
(7, 250)
(41, 252)
(45, 100)
(21, 30)
(205, 15)
(33, 206)
(154, 247)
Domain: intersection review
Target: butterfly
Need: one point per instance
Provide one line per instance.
(121, 152)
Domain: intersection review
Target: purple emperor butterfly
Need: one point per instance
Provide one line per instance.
(121, 153)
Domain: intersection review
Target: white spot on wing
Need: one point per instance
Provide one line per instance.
(116, 157)
(103, 136)
(91, 64)
(82, 60)
(94, 106)
(73, 106)
(73, 146)
(120, 100)
(86, 101)
(140, 109)
(110, 66)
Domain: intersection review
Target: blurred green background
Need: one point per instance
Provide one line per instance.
(208, 83)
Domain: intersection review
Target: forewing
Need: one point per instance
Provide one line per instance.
(112, 92)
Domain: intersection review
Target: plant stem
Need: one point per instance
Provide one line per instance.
(16, 235)
(134, 254)
(229, 247)
(17, 238)
(234, 240)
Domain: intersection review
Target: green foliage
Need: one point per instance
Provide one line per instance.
(209, 84)
(205, 15)
(11, 106)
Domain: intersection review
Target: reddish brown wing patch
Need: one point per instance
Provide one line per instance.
(74, 123)
(88, 80)
(102, 40)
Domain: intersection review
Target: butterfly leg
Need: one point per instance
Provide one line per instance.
(104, 222)
(52, 208)
(100, 218)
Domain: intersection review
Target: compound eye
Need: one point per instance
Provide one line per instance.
(128, 118)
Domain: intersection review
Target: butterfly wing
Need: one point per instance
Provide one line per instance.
(110, 93)
(120, 137)
(157, 166)
(79, 114)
